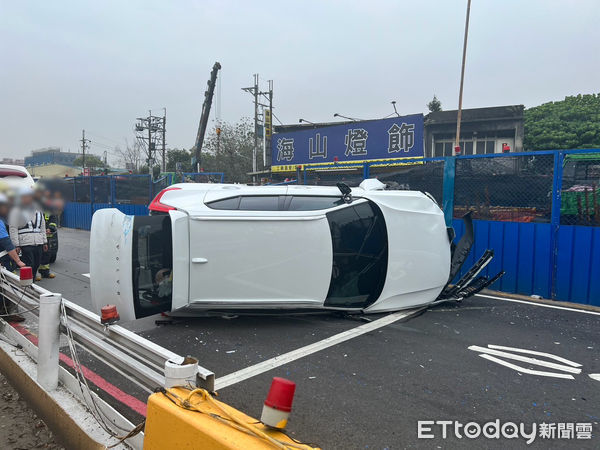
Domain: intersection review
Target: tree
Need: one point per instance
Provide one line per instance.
(131, 157)
(181, 156)
(90, 161)
(434, 105)
(231, 152)
(571, 123)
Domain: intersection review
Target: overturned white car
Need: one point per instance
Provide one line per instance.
(220, 247)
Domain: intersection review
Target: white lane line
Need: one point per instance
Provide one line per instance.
(533, 352)
(595, 376)
(528, 371)
(543, 305)
(86, 274)
(286, 358)
(537, 362)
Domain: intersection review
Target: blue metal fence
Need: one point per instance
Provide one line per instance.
(130, 194)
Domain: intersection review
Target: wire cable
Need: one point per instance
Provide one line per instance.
(226, 417)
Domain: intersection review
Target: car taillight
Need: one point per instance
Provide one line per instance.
(157, 206)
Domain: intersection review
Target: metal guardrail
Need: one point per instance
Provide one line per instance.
(135, 357)
(129, 354)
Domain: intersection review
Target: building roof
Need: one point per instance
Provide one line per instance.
(476, 114)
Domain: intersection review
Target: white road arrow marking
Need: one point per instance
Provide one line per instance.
(528, 371)
(525, 359)
(533, 352)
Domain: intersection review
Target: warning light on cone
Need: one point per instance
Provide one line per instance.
(278, 404)
(25, 276)
(109, 314)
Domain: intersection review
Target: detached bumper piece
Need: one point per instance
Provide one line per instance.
(470, 283)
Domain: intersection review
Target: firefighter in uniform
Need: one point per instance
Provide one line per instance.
(46, 255)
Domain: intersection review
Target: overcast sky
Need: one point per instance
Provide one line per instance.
(69, 65)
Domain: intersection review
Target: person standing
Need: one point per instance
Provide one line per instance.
(42, 198)
(27, 230)
(10, 260)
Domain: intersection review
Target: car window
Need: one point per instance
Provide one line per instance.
(259, 203)
(12, 173)
(226, 203)
(276, 203)
(313, 203)
(360, 255)
(248, 203)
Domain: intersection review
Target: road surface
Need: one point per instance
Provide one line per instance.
(483, 360)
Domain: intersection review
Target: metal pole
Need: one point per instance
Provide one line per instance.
(150, 142)
(462, 76)
(164, 145)
(255, 150)
(84, 142)
(49, 338)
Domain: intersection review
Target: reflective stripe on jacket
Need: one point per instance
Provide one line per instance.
(27, 227)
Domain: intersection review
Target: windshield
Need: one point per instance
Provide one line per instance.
(360, 255)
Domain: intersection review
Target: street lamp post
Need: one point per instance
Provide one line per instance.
(462, 80)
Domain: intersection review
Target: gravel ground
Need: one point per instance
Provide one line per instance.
(20, 427)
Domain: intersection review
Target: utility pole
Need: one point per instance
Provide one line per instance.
(84, 145)
(268, 138)
(164, 140)
(254, 91)
(462, 80)
(151, 148)
(255, 151)
(150, 131)
(268, 95)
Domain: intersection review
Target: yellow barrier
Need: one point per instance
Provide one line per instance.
(178, 418)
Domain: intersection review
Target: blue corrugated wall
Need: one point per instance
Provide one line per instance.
(79, 215)
(524, 252)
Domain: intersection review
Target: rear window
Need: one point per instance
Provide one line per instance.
(152, 264)
(360, 255)
(12, 173)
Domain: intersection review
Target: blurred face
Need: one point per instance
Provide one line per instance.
(26, 200)
(3, 209)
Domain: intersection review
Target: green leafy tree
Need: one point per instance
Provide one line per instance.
(90, 161)
(571, 123)
(434, 105)
(182, 156)
(231, 152)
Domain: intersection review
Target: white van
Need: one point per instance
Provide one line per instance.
(15, 177)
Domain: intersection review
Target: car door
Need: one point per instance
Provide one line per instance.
(249, 252)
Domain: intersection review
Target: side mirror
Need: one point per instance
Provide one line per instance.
(346, 192)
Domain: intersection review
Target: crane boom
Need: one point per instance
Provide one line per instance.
(208, 96)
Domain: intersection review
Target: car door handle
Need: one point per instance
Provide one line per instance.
(199, 260)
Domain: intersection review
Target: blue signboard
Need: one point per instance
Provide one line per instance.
(393, 138)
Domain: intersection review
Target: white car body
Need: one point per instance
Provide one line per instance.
(384, 251)
(15, 177)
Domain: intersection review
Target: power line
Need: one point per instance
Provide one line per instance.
(96, 135)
